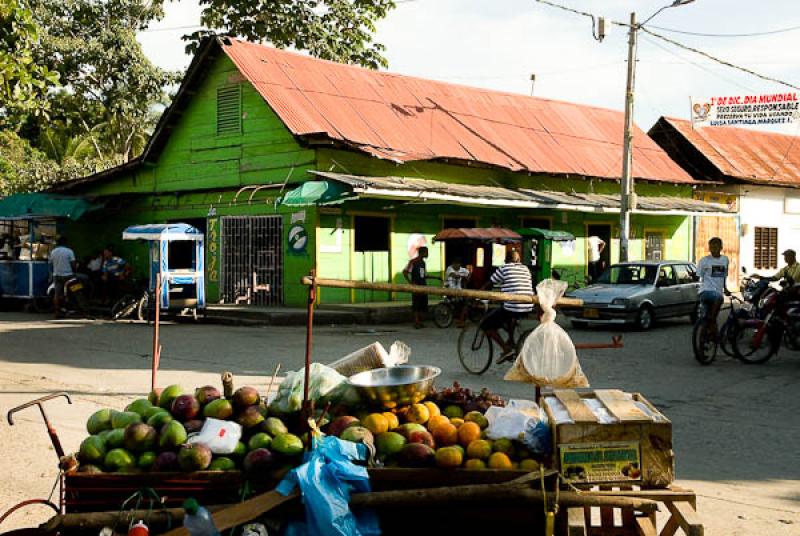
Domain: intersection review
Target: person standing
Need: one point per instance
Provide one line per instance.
(62, 267)
(415, 273)
(713, 272)
(595, 247)
(454, 277)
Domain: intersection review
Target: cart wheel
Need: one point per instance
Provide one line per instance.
(23, 504)
(443, 315)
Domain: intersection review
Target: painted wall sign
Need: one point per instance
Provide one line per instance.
(298, 238)
(212, 254)
(768, 109)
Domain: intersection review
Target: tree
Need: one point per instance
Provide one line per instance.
(26, 169)
(337, 30)
(23, 83)
(104, 111)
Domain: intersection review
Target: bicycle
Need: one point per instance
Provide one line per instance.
(130, 304)
(705, 344)
(476, 348)
(445, 310)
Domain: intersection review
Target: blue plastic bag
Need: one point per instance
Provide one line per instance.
(326, 480)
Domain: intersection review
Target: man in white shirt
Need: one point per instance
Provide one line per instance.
(62, 267)
(595, 246)
(713, 272)
(454, 277)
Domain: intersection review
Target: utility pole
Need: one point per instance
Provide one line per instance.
(533, 83)
(627, 195)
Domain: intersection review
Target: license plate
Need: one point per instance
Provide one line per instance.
(591, 313)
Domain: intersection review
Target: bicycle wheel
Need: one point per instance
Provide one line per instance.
(475, 349)
(144, 312)
(703, 344)
(124, 307)
(726, 333)
(477, 310)
(443, 315)
(752, 347)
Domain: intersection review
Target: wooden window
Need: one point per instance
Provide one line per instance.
(766, 250)
(229, 110)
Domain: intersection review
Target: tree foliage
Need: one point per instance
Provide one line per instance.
(24, 168)
(337, 30)
(23, 83)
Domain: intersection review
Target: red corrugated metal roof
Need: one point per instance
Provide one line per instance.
(749, 155)
(476, 233)
(405, 119)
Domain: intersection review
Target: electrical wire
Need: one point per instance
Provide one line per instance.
(700, 34)
(718, 60)
(171, 28)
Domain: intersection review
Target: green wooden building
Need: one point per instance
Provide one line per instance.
(388, 159)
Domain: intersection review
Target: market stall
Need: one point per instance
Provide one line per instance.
(416, 456)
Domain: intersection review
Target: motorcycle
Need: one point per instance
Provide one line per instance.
(776, 321)
(73, 301)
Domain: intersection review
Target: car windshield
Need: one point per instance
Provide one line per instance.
(629, 274)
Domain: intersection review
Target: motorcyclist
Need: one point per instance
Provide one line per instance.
(790, 271)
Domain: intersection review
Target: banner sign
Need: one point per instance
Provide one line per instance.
(768, 109)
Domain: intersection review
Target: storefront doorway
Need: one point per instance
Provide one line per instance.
(252, 260)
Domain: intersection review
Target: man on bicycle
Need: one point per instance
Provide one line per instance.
(713, 272)
(514, 278)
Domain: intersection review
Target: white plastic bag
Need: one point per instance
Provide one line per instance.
(548, 355)
(219, 436)
(372, 357)
(511, 421)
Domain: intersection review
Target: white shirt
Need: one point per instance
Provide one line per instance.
(712, 272)
(61, 260)
(454, 278)
(594, 248)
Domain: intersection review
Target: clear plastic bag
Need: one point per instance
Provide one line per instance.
(520, 420)
(372, 357)
(326, 479)
(325, 385)
(219, 436)
(548, 355)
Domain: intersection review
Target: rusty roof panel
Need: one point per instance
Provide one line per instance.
(406, 118)
(747, 155)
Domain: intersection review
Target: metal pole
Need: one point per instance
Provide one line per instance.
(307, 409)
(156, 343)
(626, 182)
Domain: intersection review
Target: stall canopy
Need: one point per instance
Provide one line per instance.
(318, 193)
(416, 190)
(40, 206)
(475, 233)
(555, 236)
(162, 231)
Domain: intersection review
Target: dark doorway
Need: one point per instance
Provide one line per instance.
(602, 231)
(181, 252)
(458, 248)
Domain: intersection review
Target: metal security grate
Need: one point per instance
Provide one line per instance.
(766, 247)
(252, 260)
(229, 110)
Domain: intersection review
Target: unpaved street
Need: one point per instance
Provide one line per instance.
(735, 426)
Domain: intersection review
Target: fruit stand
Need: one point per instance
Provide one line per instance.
(430, 452)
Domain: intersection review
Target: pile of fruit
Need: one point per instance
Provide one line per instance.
(467, 399)
(151, 434)
(427, 435)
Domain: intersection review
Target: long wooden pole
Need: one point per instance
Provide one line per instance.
(436, 291)
(156, 334)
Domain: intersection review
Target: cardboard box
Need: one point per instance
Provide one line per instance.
(606, 436)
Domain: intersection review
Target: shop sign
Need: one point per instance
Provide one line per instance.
(766, 109)
(298, 239)
(616, 461)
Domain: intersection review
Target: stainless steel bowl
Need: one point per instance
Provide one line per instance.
(391, 387)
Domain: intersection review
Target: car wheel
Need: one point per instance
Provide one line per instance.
(645, 318)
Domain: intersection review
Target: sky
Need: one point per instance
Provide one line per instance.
(499, 44)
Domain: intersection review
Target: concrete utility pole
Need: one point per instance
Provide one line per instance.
(627, 196)
(627, 193)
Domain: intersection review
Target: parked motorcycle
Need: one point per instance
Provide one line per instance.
(74, 301)
(776, 321)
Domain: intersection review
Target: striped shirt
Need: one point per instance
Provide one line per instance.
(514, 278)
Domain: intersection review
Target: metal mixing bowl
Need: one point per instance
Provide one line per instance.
(391, 387)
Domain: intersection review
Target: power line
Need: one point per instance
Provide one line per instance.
(172, 28)
(718, 60)
(755, 34)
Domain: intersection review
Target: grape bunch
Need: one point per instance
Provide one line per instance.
(468, 399)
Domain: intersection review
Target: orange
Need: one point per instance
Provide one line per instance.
(394, 422)
(468, 432)
(477, 417)
(449, 457)
(453, 411)
(457, 422)
(433, 409)
(376, 423)
(500, 460)
(475, 464)
(503, 445)
(480, 448)
(437, 420)
(529, 465)
(417, 414)
(445, 434)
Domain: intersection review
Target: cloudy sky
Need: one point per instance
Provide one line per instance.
(498, 44)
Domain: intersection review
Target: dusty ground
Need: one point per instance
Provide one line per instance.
(735, 426)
